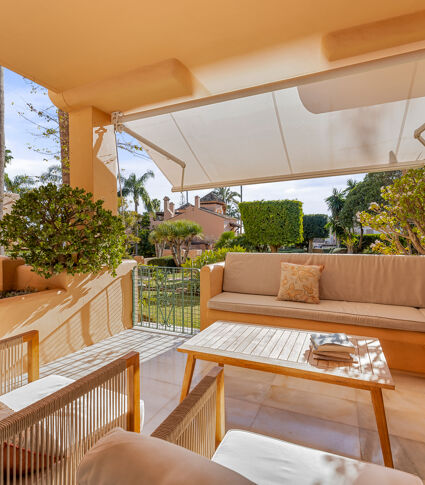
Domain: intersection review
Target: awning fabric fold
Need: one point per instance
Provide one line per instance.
(359, 122)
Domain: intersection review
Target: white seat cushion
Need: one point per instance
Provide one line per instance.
(268, 461)
(34, 391)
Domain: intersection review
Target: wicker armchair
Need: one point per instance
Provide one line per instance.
(17, 354)
(198, 422)
(44, 442)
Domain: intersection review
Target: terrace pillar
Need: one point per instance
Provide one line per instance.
(92, 155)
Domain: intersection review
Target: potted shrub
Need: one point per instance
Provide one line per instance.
(61, 229)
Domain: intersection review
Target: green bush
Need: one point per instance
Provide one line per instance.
(275, 223)
(167, 261)
(56, 229)
(212, 256)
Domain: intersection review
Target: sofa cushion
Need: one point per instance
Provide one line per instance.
(348, 312)
(270, 461)
(389, 280)
(122, 457)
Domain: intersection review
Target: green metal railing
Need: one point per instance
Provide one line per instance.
(166, 298)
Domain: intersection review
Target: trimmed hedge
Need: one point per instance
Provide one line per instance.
(273, 222)
(167, 261)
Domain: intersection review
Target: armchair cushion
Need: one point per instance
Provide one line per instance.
(125, 457)
(270, 461)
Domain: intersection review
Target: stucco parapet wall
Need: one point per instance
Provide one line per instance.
(70, 312)
(146, 85)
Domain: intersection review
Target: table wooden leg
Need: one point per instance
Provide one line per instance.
(220, 429)
(188, 374)
(381, 422)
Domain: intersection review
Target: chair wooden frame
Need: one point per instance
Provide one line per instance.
(198, 422)
(47, 439)
(12, 358)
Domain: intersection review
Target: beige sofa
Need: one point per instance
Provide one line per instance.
(370, 295)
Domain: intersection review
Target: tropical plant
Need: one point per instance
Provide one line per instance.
(400, 218)
(154, 206)
(179, 236)
(314, 226)
(56, 229)
(134, 187)
(225, 239)
(212, 256)
(158, 239)
(53, 174)
(275, 223)
(19, 184)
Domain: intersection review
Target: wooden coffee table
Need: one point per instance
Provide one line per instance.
(287, 351)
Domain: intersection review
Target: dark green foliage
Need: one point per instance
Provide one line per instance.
(56, 229)
(144, 246)
(167, 261)
(212, 256)
(363, 194)
(314, 226)
(275, 222)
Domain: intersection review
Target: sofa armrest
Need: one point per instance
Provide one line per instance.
(211, 285)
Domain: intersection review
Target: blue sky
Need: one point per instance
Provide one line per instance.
(20, 133)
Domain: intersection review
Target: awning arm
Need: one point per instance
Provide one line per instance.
(120, 127)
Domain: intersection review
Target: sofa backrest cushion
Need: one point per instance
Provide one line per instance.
(390, 280)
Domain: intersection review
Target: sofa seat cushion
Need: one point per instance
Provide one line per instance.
(265, 460)
(347, 312)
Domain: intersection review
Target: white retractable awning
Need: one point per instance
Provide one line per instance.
(358, 120)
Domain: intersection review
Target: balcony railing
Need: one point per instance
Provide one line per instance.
(166, 298)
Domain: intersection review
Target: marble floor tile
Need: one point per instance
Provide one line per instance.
(410, 425)
(240, 414)
(308, 431)
(247, 390)
(311, 404)
(315, 387)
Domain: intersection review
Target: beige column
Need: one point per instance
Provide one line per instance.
(92, 154)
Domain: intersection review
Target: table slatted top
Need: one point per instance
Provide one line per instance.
(289, 350)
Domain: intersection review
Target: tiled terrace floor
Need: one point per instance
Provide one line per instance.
(318, 415)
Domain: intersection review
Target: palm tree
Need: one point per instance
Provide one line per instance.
(19, 184)
(335, 203)
(229, 197)
(351, 183)
(135, 187)
(54, 174)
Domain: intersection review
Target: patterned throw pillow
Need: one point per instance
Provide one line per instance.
(299, 282)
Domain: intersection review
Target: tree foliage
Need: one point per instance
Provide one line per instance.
(212, 256)
(400, 217)
(18, 184)
(275, 222)
(178, 235)
(230, 198)
(314, 226)
(56, 229)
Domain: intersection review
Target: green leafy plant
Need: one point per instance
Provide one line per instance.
(314, 225)
(212, 256)
(275, 223)
(400, 218)
(56, 229)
